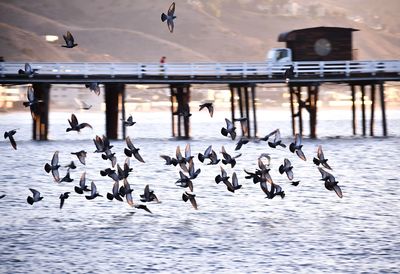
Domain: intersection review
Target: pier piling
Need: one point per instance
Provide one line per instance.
(114, 93)
(40, 127)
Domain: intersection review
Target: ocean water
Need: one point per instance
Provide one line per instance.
(311, 230)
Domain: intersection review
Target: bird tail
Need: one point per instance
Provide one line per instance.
(20, 71)
(6, 135)
(271, 144)
(104, 157)
(163, 17)
(47, 168)
(224, 131)
(281, 169)
(110, 196)
(233, 163)
(218, 179)
(30, 200)
(103, 173)
(185, 197)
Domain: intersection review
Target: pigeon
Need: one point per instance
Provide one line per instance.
(102, 144)
(169, 160)
(330, 182)
(2, 196)
(35, 197)
(148, 195)
(10, 135)
(206, 155)
(277, 140)
(183, 160)
(81, 156)
(191, 197)
(63, 197)
(75, 126)
(82, 185)
(32, 101)
(295, 183)
(110, 173)
(228, 159)
(209, 107)
(225, 179)
(289, 73)
(93, 87)
(321, 159)
(241, 142)
(69, 40)
(169, 17)
(230, 129)
(132, 150)
(266, 137)
(192, 172)
(124, 173)
(66, 178)
(53, 167)
(109, 156)
(184, 181)
(286, 167)
(126, 191)
(296, 146)
(129, 122)
(235, 182)
(93, 193)
(115, 193)
(275, 190)
(28, 70)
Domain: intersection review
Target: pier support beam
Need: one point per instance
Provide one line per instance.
(180, 110)
(114, 94)
(246, 96)
(40, 127)
(310, 104)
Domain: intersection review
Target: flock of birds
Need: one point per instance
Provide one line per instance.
(187, 172)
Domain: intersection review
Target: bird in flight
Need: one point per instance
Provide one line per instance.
(75, 125)
(10, 135)
(69, 41)
(169, 17)
(32, 101)
(209, 106)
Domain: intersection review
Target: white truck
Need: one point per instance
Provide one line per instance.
(279, 55)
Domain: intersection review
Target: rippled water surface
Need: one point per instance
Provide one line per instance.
(311, 230)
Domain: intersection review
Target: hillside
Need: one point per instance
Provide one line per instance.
(215, 30)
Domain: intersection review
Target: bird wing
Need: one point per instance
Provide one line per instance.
(12, 141)
(210, 108)
(171, 9)
(235, 181)
(170, 24)
(129, 143)
(229, 124)
(178, 154)
(320, 153)
(93, 188)
(301, 155)
(207, 153)
(188, 153)
(82, 181)
(36, 194)
(30, 94)
(138, 157)
(54, 160)
(277, 136)
(70, 37)
(193, 201)
(74, 120)
(297, 140)
(338, 191)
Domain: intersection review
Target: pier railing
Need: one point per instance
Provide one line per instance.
(223, 70)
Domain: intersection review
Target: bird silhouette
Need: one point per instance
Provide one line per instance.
(129, 122)
(321, 159)
(169, 17)
(93, 193)
(228, 159)
(277, 140)
(81, 156)
(67, 178)
(28, 71)
(209, 107)
(63, 197)
(132, 150)
(93, 86)
(69, 40)
(296, 146)
(82, 185)
(10, 136)
(186, 196)
(148, 195)
(35, 197)
(53, 167)
(32, 102)
(330, 182)
(230, 129)
(75, 126)
(286, 167)
(115, 193)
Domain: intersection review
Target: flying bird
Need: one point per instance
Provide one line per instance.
(69, 40)
(28, 70)
(53, 167)
(192, 172)
(228, 159)
(129, 122)
(186, 196)
(2, 196)
(277, 140)
(286, 167)
(296, 146)
(82, 185)
(169, 160)
(66, 178)
(132, 150)
(235, 182)
(83, 105)
(241, 142)
(148, 195)
(330, 182)
(75, 126)
(81, 156)
(71, 165)
(209, 107)
(184, 181)
(223, 177)
(115, 193)
(63, 197)
(230, 129)
(10, 135)
(93, 86)
(169, 17)
(94, 193)
(321, 159)
(35, 197)
(32, 101)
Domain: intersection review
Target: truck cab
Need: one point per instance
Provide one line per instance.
(279, 55)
